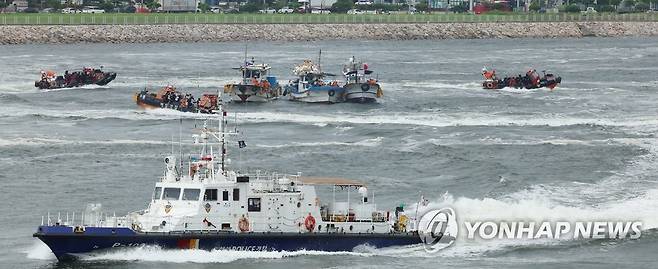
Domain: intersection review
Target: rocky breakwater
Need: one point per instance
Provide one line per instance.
(57, 34)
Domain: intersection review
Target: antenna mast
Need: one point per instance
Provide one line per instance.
(180, 142)
(320, 61)
(244, 63)
(222, 129)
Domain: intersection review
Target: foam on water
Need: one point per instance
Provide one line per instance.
(616, 198)
(34, 141)
(39, 251)
(446, 120)
(499, 141)
(84, 87)
(97, 114)
(430, 119)
(529, 206)
(184, 83)
(371, 142)
(157, 254)
(431, 85)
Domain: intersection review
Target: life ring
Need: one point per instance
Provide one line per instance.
(243, 224)
(309, 222)
(365, 87)
(489, 85)
(332, 92)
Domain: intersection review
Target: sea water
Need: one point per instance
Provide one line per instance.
(586, 151)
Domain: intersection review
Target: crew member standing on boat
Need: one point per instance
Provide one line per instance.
(488, 74)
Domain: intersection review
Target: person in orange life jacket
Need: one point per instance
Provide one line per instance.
(488, 74)
(534, 77)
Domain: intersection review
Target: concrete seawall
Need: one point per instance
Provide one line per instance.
(306, 32)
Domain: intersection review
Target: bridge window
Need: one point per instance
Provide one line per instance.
(236, 194)
(210, 195)
(225, 196)
(157, 193)
(191, 194)
(171, 194)
(253, 205)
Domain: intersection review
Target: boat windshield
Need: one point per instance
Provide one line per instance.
(191, 194)
(171, 194)
(252, 74)
(157, 193)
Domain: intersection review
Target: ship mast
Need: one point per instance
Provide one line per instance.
(320, 62)
(222, 129)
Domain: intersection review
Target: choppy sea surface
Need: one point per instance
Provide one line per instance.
(585, 151)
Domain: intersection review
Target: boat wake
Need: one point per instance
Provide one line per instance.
(629, 195)
(430, 86)
(39, 251)
(445, 120)
(99, 114)
(84, 87)
(180, 82)
(429, 119)
(157, 254)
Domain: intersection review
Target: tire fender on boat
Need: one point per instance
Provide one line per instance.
(489, 85)
(365, 87)
(332, 92)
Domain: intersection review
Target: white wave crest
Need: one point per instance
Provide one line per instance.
(430, 118)
(445, 120)
(34, 141)
(39, 251)
(371, 142)
(625, 196)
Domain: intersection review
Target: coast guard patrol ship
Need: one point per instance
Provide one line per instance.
(205, 205)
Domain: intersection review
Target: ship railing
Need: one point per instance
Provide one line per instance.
(87, 219)
(259, 175)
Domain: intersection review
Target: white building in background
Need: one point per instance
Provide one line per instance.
(72, 2)
(178, 5)
(326, 4)
(18, 5)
